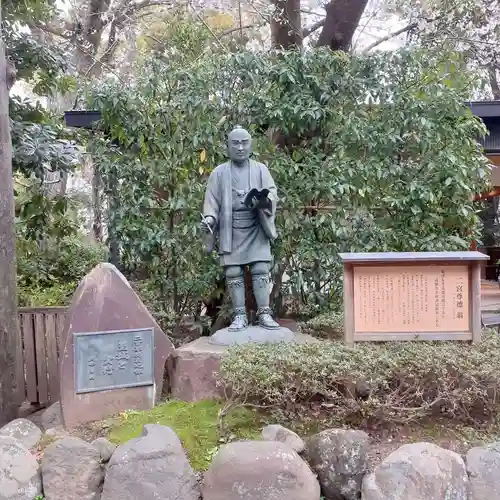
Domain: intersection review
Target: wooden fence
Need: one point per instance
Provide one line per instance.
(37, 371)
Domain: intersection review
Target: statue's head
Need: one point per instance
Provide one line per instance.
(239, 145)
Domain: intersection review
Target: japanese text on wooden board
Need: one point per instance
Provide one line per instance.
(411, 298)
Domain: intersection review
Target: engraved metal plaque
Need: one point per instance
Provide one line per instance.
(113, 360)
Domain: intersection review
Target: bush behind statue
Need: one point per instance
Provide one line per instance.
(407, 380)
(370, 153)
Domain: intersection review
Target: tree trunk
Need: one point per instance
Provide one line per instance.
(8, 308)
(495, 88)
(64, 184)
(342, 19)
(114, 248)
(286, 26)
(96, 204)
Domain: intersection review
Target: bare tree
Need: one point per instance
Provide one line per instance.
(95, 29)
(342, 19)
(286, 26)
(8, 308)
(337, 27)
(92, 35)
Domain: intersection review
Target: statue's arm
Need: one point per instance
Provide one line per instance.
(268, 183)
(211, 205)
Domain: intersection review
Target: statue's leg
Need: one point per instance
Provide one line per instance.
(260, 284)
(236, 286)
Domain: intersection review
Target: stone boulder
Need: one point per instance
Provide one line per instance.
(51, 417)
(418, 471)
(483, 466)
(339, 458)
(150, 467)
(20, 477)
(104, 447)
(54, 434)
(283, 435)
(259, 470)
(26, 432)
(71, 469)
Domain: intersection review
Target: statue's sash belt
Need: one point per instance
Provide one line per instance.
(244, 215)
(243, 219)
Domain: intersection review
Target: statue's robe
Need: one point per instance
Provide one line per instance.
(244, 233)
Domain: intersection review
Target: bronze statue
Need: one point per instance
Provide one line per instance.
(240, 208)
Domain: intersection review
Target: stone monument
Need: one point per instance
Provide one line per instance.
(113, 353)
(238, 218)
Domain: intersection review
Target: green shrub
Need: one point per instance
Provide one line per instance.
(328, 325)
(155, 302)
(371, 383)
(48, 273)
(59, 294)
(408, 188)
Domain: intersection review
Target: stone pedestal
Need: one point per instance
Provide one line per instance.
(192, 371)
(193, 368)
(255, 334)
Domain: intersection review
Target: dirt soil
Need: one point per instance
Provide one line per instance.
(457, 439)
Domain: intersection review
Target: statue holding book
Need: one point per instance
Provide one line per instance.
(239, 210)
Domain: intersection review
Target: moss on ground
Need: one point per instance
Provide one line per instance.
(194, 423)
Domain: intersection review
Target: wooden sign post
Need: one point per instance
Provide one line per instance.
(412, 296)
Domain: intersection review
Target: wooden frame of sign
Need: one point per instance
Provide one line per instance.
(412, 296)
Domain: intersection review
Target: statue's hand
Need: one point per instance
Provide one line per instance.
(254, 203)
(263, 203)
(207, 224)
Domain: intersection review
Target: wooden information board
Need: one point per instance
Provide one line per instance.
(412, 296)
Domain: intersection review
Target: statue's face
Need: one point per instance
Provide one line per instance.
(239, 145)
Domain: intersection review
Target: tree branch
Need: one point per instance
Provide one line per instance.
(311, 12)
(121, 13)
(398, 32)
(51, 30)
(96, 22)
(405, 29)
(314, 27)
(111, 45)
(136, 7)
(200, 18)
(238, 28)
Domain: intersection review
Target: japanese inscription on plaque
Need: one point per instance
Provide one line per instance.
(411, 298)
(113, 360)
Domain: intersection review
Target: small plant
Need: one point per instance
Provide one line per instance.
(128, 414)
(210, 455)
